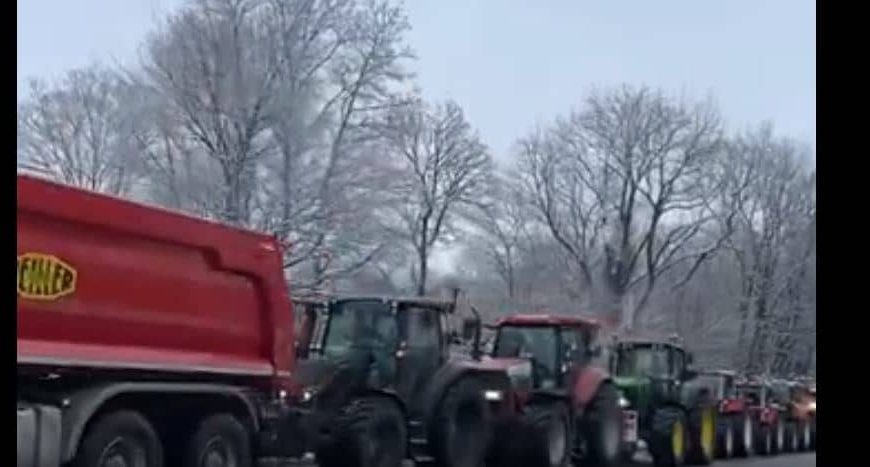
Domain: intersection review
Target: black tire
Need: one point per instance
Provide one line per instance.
(602, 428)
(792, 442)
(764, 440)
(125, 434)
(368, 432)
(812, 432)
(219, 440)
(669, 425)
(461, 428)
(726, 439)
(779, 436)
(553, 421)
(745, 430)
(702, 435)
(804, 435)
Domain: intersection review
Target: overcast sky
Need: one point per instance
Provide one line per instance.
(513, 63)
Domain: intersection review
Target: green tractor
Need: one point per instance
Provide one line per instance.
(664, 404)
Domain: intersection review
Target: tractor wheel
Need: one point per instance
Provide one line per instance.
(793, 439)
(461, 429)
(669, 439)
(779, 436)
(725, 437)
(602, 428)
(805, 435)
(764, 440)
(368, 432)
(554, 421)
(702, 435)
(812, 433)
(517, 442)
(745, 430)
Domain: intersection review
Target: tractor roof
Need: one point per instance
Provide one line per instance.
(548, 320)
(414, 301)
(727, 373)
(646, 341)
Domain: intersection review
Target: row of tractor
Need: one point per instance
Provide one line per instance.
(148, 338)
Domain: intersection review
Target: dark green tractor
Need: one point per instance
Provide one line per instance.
(382, 387)
(664, 403)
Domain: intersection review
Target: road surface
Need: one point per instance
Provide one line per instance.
(784, 460)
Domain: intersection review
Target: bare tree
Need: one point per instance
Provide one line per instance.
(78, 131)
(773, 242)
(624, 186)
(443, 166)
(501, 231)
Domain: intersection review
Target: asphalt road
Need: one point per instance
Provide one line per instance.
(785, 460)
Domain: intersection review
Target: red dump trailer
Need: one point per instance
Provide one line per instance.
(145, 335)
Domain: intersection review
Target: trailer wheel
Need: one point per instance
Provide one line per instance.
(369, 432)
(123, 438)
(461, 428)
(219, 441)
(553, 421)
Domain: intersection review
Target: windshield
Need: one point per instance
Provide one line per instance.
(538, 342)
(641, 361)
(368, 324)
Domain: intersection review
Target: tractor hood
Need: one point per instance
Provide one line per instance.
(631, 387)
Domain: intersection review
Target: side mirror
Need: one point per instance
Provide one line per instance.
(469, 328)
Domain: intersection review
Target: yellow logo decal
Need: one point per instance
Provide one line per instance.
(44, 277)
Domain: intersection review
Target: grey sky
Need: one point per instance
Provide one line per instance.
(512, 63)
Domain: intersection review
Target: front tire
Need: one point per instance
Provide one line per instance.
(745, 446)
(669, 437)
(461, 428)
(554, 422)
(602, 428)
(369, 432)
(220, 440)
(120, 438)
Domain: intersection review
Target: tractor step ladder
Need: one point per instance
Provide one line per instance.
(418, 442)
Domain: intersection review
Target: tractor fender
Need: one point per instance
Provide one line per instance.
(494, 377)
(82, 405)
(695, 395)
(587, 383)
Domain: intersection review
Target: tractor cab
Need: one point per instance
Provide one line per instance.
(554, 345)
(392, 343)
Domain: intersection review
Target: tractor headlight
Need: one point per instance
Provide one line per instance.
(623, 402)
(493, 395)
(813, 406)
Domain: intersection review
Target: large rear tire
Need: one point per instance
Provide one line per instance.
(779, 436)
(669, 438)
(764, 443)
(120, 438)
(725, 437)
(602, 428)
(702, 430)
(461, 428)
(369, 432)
(219, 440)
(745, 430)
(553, 420)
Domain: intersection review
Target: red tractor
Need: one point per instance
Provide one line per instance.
(768, 416)
(734, 432)
(572, 402)
(799, 412)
